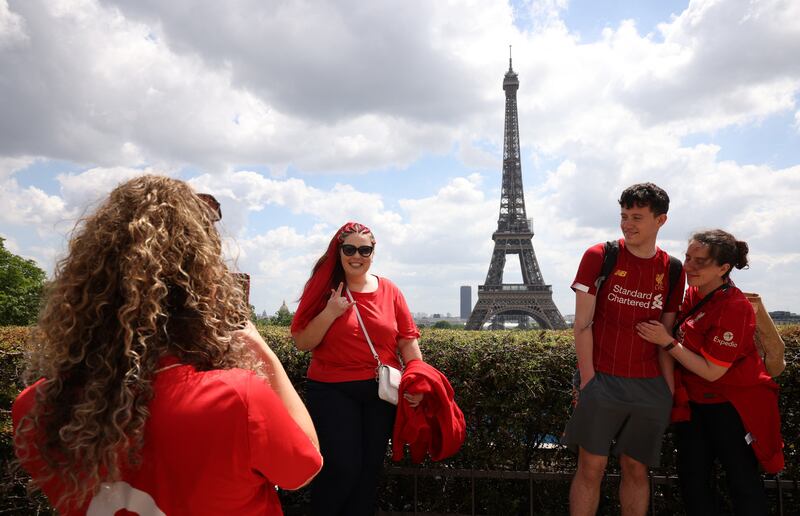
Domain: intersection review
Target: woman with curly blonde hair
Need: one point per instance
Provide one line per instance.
(152, 392)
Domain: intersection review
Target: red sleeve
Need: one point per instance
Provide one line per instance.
(676, 294)
(589, 270)
(406, 327)
(279, 449)
(726, 339)
(33, 463)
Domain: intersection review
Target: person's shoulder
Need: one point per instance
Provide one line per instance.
(25, 401)
(595, 253)
(234, 382)
(232, 377)
(736, 303)
(661, 257)
(387, 284)
(597, 249)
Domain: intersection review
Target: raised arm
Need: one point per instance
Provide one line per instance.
(309, 337)
(279, 381)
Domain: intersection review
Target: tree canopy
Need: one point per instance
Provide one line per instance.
(21, 288)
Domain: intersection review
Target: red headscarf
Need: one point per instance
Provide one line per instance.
(317, 289)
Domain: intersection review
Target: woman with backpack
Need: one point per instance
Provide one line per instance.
(726, 405)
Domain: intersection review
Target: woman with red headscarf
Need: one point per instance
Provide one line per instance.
(352, 422)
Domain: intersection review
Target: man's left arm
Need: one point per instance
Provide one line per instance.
(666, 361)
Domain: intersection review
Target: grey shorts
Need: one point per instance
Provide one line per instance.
(621, 415)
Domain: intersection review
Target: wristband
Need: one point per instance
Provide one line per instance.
(670, 345)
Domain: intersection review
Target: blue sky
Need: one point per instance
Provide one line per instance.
(298, 119)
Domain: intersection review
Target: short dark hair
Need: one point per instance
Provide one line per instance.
(645, 194)
(724, 248)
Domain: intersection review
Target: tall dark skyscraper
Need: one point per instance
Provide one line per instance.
(498, 301)
(466, 301)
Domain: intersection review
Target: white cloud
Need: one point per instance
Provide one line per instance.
(12, 27)
(141, 82)
(10, 244)
(451, 227)
(56, 214)
(346, 87)
(84, 190)
(10, 166)
(30, 206)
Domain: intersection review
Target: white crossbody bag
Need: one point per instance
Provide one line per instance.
(387, 376)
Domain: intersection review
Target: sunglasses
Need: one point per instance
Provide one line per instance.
(350, 250)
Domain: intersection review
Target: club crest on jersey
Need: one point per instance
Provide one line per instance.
(620, 273)
(660, 281)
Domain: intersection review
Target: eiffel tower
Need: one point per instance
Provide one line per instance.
(497, 301)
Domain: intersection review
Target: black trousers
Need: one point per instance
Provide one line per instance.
(353, 426)
(715, 431)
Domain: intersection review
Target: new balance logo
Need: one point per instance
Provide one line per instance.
(620, 273)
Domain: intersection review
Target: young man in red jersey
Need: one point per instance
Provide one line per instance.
(625, 388)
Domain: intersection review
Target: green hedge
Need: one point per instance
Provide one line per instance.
(514, 389)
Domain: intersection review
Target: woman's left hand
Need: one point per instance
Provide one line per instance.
(252, 339)
(413, 399)
(654, 331)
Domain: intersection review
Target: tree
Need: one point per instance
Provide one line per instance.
(21, 289)
(442, 325)
(283, 317)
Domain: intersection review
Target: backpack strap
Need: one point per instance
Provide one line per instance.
(675, 269)
(610, 253)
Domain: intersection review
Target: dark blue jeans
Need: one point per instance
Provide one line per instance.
(353, 426)
(715, 432)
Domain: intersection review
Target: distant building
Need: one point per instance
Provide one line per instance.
(466, 301)
(431, 321)
(784, 317)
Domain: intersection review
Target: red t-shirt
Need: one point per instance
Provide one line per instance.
(722, 331)
(216, 442)
(634, 292)
(344, 355)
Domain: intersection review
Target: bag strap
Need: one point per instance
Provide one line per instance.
(696, 307)
(610, 253)
(363, 328)
(675, 269)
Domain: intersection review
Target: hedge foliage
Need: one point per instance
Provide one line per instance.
(514, 388)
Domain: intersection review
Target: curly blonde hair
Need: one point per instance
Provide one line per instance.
(143, 278)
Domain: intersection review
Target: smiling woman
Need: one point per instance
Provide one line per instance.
(353, 423)
(726, 403)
